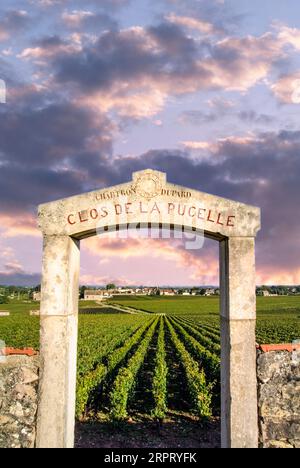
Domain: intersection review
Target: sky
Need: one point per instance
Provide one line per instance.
(205, 90)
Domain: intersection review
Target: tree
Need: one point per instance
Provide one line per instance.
(82, 289)
(155, 292)
(3, 299)
(111, 286)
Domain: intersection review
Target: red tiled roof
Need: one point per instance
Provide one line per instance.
(279, 347)
(19, 352)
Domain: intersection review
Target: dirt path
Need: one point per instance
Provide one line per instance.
(174, 433)
(123, 309)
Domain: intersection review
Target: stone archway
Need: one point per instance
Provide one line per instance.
(148, 198)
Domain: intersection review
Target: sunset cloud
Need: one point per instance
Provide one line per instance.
(170, 253)
(13, 274)
(104, 3)
(13, 22)
(198, 145)
(4, 35)
(76, 17)
(269, 276)
(49, 47)
(290, 36)
(18, 226)
(135, 70)
(192, 23)
(287, 89)
(85, 19)
(142, 103)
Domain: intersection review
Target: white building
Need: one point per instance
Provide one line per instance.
(167, 292)
(96, 294)
(124, 291)
(186, 293)
(209, 292)
(37, 296)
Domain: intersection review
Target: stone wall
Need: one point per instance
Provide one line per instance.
(18, 401)
(279, 398)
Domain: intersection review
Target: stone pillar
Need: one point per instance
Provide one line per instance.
(238, 358)
(59, 316)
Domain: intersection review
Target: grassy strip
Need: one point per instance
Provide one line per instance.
(159, 386)
(126, 378)
(90, 381)
(200, 392)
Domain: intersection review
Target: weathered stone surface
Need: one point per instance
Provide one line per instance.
(28, 375)
(238, 362)
(276, 444)
(281, 428)
(279, 399)
(56, 415)
(23, 390)
(287, 397)
(148, 198)
(238, 383)
(61, 265)
(18, 401)
(277, 365)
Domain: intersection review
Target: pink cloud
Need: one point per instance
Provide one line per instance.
(4, 35)
(214, 147)
(133, 262)
(12, 22)
(41, 53)
(289, 36)
(287, 89)
(7, 253)
(74, 18)
(198, 145)
(271, 276)
(142, 103)
(192, 23)
(19, 225)
(142, 89)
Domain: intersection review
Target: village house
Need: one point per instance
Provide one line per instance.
(267, 293)
(209, 292)
(145, 292)
(37, 296)
(124, 291)
(96, 294)
(186, 293)
(167, 292)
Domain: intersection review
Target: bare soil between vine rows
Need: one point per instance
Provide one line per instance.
(175, 432)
